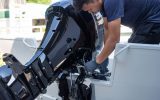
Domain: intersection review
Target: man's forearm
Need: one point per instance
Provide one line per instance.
(107, 50)
(105, 36)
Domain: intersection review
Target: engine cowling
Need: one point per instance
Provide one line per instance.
(67, 32)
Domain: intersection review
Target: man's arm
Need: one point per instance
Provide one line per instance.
(105, 29)
(112, 36)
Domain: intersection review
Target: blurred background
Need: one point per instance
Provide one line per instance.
(21, 21)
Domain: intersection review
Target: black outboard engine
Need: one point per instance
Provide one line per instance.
(67, 39)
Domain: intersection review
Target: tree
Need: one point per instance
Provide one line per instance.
(39, 1)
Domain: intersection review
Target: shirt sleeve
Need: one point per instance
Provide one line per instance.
(113, 9)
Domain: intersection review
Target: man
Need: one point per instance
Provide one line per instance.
(143, 16)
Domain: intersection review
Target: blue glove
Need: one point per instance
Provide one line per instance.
(103, 67)
(91, 66)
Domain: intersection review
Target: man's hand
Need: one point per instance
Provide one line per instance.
(91, 66)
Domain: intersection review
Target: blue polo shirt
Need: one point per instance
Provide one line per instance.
(132, 12)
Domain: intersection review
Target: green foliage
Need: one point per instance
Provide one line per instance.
(39, 1)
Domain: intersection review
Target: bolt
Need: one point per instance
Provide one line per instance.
(50, 62)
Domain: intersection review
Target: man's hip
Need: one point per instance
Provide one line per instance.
(147, 34)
